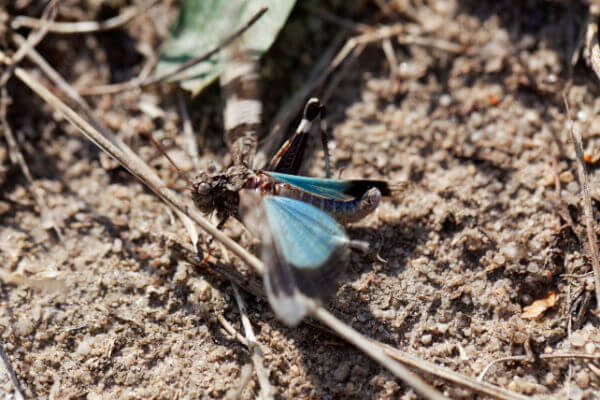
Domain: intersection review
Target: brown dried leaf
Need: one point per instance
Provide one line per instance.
(537, 308)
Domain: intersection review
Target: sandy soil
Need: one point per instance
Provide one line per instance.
(111, 310)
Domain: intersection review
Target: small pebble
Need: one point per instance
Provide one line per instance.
(582, 379)
(84, 348)
(567, 177)
(117, 246)
(202, 289)
(24, 326)
(445, 100)
(577, 339)
(573, 187)
(590, 348)
(499, 259)
(341, 373)
(426, 339)
(532, 268)
(515, 251)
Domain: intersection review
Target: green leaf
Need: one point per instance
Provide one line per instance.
(203, 24)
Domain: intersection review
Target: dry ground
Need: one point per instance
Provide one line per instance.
(480, 132)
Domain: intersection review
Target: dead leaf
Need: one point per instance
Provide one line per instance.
(537, 308)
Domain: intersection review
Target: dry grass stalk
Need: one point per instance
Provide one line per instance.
(590, 223)
(9, 369)
(473, 384)
(592, 48)
(266, 390)
(82, 26)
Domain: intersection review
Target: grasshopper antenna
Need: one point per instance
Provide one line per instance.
(164, 153)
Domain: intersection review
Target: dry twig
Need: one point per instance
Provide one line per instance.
(188, 131)
(9, 369)
(592, 48)
(529, 358)
(82, 26)
(346, 67)
(501, 360)
(590, 223)
(446, 373)
(245, 376)
(266, 390)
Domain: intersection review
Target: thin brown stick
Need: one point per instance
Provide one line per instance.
(138, 83)
(592, 48)
(430, 42)
(527, 358)
(11, 373)
(244, 380)
(232, 331)
(381, 33)
(188, 130)
(82, 26)
(590, 223)
(390, 55)
(266, 390)
(342, 72)
(501, 360)
(473, 384)
(342, 22)
(581, 356)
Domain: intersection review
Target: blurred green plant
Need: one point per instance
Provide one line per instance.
(203, 24)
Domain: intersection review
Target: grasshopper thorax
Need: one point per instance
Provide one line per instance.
(220, 191)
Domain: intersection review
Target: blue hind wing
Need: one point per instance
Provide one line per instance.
(303, 249)
(330, 188)
(306, 236)
(304, 255)
(335, 189)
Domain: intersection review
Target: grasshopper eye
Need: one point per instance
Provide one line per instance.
(203, 189)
